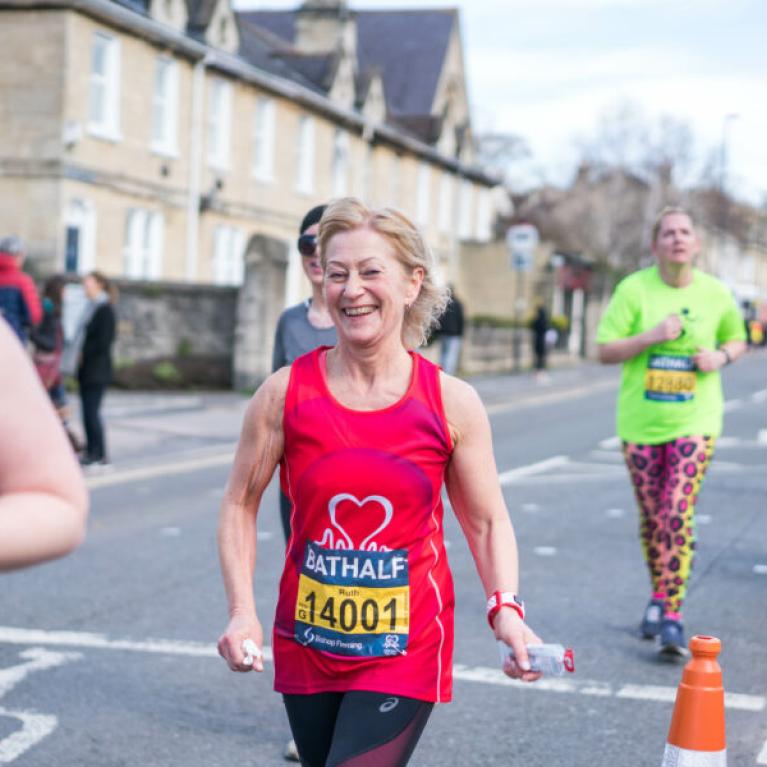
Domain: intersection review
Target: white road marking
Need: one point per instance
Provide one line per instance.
(611, 457)
(611, 443)
(759, 396)
(733, 404)
(512, 475)
(161, 470)
(11, 635)
(760, 569)
(615, 513)
(577, 686)
(761, 437)
(552, 397)
(703, 519)
(34, 726)
(545, 551)
(265, 535)
(40, 658)
(170, 532)
(531, 508)
(762, 758)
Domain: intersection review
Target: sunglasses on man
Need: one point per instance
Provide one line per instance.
(307, 244)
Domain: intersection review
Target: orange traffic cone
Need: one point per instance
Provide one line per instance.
(696, 736)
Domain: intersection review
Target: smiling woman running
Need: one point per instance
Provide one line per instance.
(673, 328)
(365, 433)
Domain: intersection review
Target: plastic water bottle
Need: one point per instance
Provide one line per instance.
(549, 659)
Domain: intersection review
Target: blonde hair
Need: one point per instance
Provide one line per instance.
(348, 214)
(669, 210)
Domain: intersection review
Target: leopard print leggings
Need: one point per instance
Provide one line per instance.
(666, 480)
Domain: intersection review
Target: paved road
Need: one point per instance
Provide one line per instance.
(107, 658)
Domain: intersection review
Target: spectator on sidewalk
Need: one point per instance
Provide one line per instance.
(43, 500)
(19, 303)
(451, 327)
(540, 328)
(306, 325)
(89, 357)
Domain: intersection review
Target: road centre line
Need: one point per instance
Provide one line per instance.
(552, 397)
(159, 470)
(572, 685)
(512, 475)
(762, 758)
(10, 635)
(480, 674)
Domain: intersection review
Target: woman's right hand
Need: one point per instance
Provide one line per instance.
(667, 329)
(240, 628)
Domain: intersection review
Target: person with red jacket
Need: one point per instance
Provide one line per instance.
(19, 303)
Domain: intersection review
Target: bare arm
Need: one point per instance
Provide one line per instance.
(258, 453)
(707, 360)
(43, 499)
(626, 348)
(475, 494)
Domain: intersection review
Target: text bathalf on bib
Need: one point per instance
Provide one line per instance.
(353, 602)
(670, 378)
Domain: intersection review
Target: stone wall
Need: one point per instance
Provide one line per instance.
(174, 335)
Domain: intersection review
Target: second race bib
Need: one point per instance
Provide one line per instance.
(353, 602)
(670, 378)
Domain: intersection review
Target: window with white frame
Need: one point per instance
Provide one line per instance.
(445, 216)
(423, 198)
(263, 139)
(165, 106)
(305, 155)
(104, 94)
(219, 124)
(465, 211)
(228, 255)
(143, 248)
(340, 168)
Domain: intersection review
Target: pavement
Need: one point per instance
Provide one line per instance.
(143, 426)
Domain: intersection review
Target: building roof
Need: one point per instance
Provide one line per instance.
(393, 42)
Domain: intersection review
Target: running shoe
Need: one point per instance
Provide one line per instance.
(291, 752)
(652, 619)
(671, 640)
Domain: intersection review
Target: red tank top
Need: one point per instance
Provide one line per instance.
(366, 597)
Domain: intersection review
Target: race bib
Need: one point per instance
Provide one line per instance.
(353, 602)
(670, 378)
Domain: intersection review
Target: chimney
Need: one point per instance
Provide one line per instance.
(322, 25)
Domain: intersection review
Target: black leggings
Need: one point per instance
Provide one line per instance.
(356, 729)
(91, 396)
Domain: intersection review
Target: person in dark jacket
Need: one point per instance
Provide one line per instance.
(451, 334)
(540, 326)
(19, 303)
(92, 348)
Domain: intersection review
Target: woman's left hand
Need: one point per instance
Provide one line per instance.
(708, 360)
(510, 628)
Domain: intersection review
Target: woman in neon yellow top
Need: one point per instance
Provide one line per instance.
(673, 328)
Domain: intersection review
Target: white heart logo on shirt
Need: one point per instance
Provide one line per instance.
(345, 541)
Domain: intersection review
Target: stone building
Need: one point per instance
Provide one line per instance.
(173, 140)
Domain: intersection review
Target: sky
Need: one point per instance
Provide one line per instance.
(550, 70)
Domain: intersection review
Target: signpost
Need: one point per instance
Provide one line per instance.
(521, 241)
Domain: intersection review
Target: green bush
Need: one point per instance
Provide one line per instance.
(166, 372)
(184, 348)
